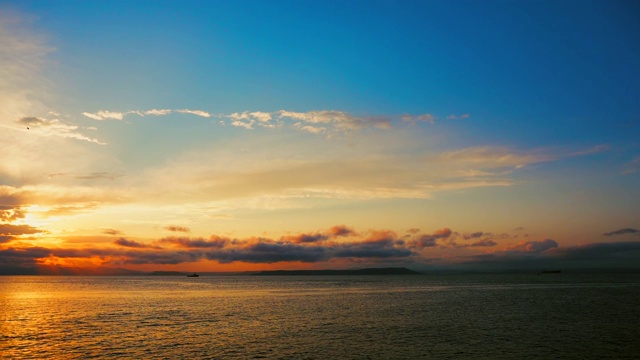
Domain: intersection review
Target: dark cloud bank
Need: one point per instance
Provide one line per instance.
(339, 244)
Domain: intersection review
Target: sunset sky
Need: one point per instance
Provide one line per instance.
(243, 135)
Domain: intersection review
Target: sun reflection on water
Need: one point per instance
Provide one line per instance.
(324, 317)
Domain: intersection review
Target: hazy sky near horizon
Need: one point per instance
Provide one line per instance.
(225, 135)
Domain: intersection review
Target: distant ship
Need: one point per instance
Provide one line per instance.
(193, 275)
(550, 272)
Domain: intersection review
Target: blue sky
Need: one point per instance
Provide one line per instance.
(272, 118)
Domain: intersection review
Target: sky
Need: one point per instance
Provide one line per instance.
(236, 136)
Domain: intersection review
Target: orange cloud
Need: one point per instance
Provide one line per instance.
(185, 242)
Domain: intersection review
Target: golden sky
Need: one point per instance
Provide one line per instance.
(213, 139)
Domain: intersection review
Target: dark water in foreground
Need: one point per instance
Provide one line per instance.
(322, 317)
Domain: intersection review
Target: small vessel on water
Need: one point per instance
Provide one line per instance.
(550, 272)
(193, 275)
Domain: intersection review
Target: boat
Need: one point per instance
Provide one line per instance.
(193, 275)
(550, 272)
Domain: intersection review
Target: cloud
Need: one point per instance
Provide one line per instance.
(5, 238)
(186, 242)
(177, 228)
(89, 176)
(105, 115)
(10, 213)
(162, 257)
(415, 119)
(195, 112)
(627, 251)
(377, 246)
(305, 238)
(261, 116)
(54, 127)
(314, 122)
(332, 233)
(11, 199)
(267, 252)
(310, 129)
(158, 112)
(9, 229)
(341, 230)
(531, 247)
(340, 119)
(545, 255)
(130, 243)
(473, 235)
(242, 124)
(33, 121)
(54, 200)
(112, 232)
(423, 241)
(25, 257)
(458, 117)
(117, 115)
(430, 240)
(492, 157)
(622, 232)
(387, 247)
(251, 116)
(482, 239)
(481, 243)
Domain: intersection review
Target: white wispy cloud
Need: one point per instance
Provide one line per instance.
(105, 115)
(157, 112)
(242, 124)
(261, 116)
(195, 112)
(256, 116)
(117, 115)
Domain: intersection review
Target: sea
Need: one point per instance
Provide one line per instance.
(479, 316)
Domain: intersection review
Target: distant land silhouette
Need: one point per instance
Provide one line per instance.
(366, 271)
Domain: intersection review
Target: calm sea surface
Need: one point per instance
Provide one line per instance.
(321, 317)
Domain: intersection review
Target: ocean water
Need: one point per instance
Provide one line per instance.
(321, 317)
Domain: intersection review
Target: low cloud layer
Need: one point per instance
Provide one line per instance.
(624, 231)
(9, 232)
(338, 243)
